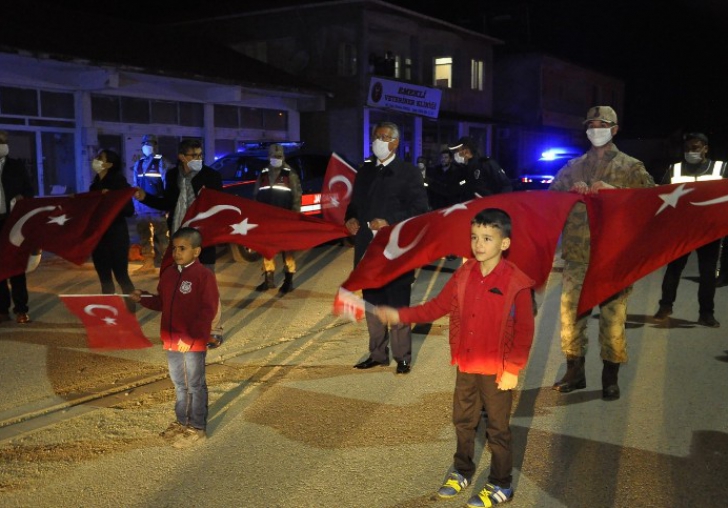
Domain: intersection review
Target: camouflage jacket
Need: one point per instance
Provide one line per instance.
(617, 169)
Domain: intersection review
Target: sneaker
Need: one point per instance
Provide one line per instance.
(189, 437)
(175, 428)
(215, 341)
(455, 483)
(709, 321)
(664, 313)
(490, 495)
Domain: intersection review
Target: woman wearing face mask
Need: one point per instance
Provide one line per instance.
(111, 253)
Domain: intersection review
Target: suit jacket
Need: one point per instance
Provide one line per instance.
(16, 181)
(394, 193)
(206, 177)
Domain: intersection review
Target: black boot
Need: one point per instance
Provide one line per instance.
(610, 373)
(575, 377)
(287, 286)
(267, 283)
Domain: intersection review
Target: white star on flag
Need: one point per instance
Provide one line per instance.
(242, 228)
(60, 220)
(672, 198)
(109, 321)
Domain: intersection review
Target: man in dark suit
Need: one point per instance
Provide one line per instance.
(387, 190)
(15, 185)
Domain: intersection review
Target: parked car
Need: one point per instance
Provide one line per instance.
(240, 170)
(541, 173)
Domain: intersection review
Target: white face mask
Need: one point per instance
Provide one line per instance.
(459, 159)
(4, 150)
(97, 165)
(693, 157)
(147, 150)
(599, 136)
(276, 163)
(381, 149)
(195, 165)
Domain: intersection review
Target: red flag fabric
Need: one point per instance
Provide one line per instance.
(69, 226)
(537, 217)
(636, 231)
(224, 218)
(109, 324)
(350, 306)
(336, 190)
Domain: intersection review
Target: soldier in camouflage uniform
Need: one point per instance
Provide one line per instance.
(602, 167)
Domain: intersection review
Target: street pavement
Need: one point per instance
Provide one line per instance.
(305, 429)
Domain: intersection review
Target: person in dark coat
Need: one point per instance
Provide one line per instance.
(111, 255)
(483, 175)
(387, 190)
(15, 185)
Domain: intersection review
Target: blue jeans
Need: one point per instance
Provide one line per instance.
(187, 371)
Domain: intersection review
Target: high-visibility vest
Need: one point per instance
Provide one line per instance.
(714, 172)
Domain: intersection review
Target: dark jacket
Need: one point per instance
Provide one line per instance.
(485, 177)
(394, 193)
(206, 177)
(118, 233)
(16, 181)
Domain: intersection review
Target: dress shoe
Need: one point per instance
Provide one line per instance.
(663, 313)
(22, 318)
(704, 320)
(369, 363)
(403, 367)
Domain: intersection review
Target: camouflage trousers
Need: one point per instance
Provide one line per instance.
(269, 265)
(612, 318)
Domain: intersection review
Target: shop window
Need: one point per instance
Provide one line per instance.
(105, 108)
(134, 110)
(191, 114)
(57, 105)
(275, 120)
(226, 116)
(251, 118)
(164, 112)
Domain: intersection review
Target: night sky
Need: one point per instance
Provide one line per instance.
(670, 54)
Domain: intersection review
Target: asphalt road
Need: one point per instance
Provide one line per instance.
(297, 426)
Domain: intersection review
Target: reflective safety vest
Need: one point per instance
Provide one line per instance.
(714, 171)
(279, 193)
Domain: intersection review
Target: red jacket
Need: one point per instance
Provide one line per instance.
(517, 325)
(188, 300)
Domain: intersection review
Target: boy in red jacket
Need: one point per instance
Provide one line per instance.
(490, 304)
(188, 298)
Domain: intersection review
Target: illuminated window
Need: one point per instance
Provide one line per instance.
(443, 72)
(476, 75)
(407, 70)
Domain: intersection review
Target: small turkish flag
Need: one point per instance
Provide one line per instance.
(350, 306)
(109, 324)
(336, 190)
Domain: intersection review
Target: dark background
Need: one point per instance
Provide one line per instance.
(671, 55)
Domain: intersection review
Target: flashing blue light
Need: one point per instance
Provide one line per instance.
(557, 153)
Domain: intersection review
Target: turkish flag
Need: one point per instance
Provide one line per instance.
(224, 218)
(537, 220)
(69, 226)
(636, 231)
(336, 190)
(350, 306)
(109, 324)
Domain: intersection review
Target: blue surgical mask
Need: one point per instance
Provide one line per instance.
(195, 165)
(276, 163)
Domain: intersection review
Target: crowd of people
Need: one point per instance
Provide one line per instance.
(489, 300)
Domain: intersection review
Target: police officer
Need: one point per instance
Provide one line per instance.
(695, 167)
(151, 223)
(483, 176)
(278, 185)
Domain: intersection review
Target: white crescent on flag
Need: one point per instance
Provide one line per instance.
(89, 309)
(345, 181)
(212, 211)
(393, 250)
(16, 232)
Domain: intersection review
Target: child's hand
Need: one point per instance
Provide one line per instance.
(508, 381)
(387, 315)
(136, 295)
(182, 346)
